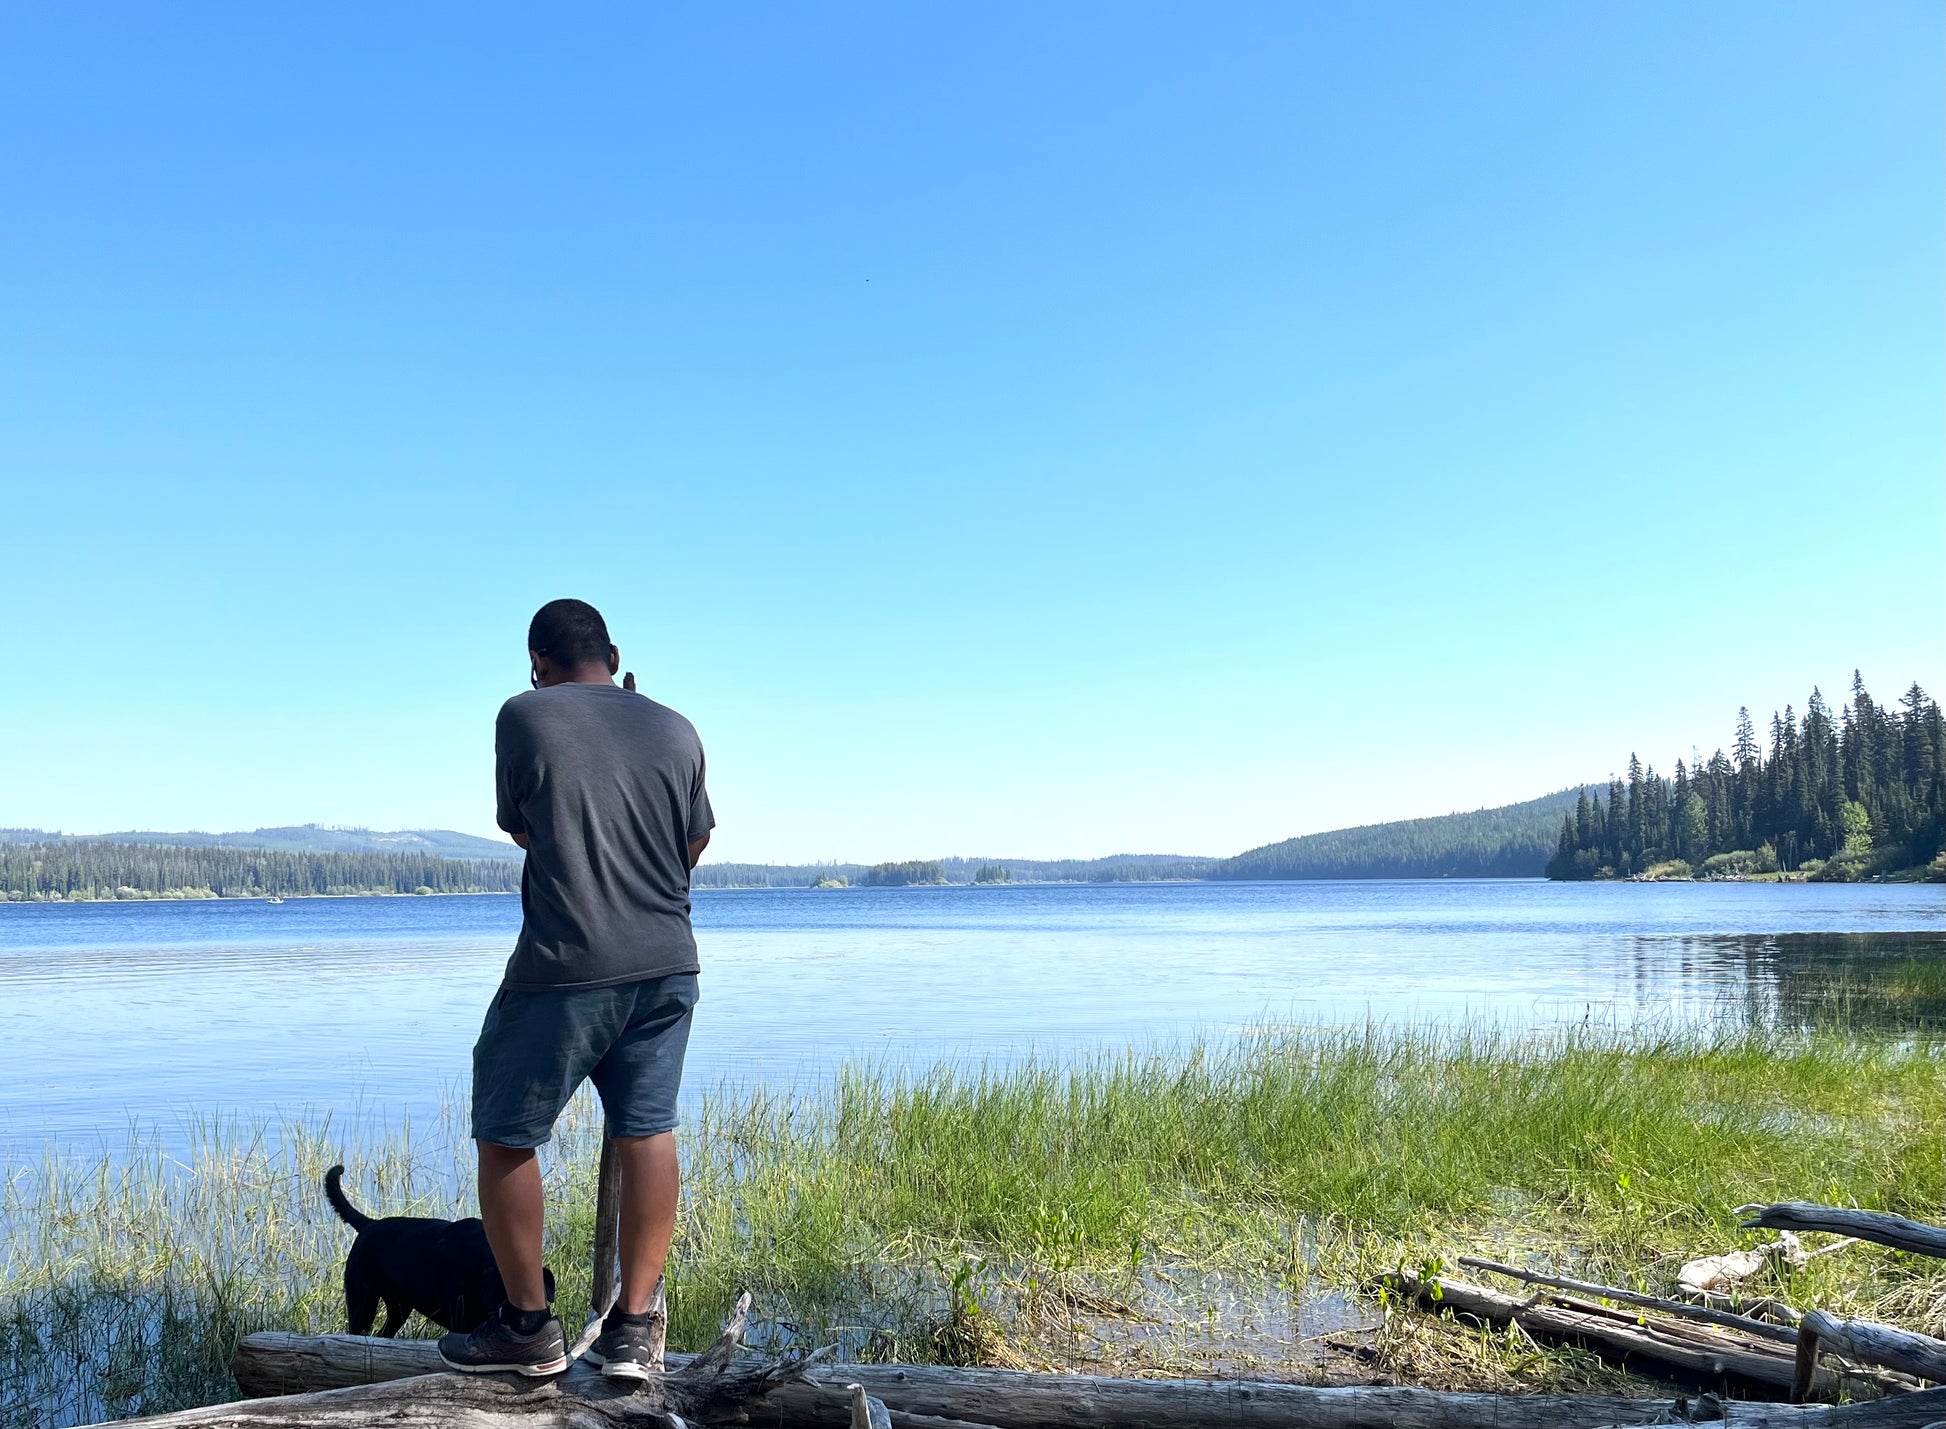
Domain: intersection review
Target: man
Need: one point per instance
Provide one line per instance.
(604, 789)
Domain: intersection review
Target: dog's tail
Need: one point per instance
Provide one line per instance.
(340, 1202)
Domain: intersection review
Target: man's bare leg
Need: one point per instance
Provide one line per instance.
(651, 1181)
(515, 1214)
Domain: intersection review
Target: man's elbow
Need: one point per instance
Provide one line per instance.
(696, 847)
(520, 840)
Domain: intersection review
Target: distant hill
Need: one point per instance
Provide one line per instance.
(299, 838)
(1512, 841)
(1116, 868)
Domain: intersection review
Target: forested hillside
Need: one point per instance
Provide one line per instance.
(320, 838)
(1512, 841)
(1116, 868)
(300, 838)
(1848, 797)
(89, 869)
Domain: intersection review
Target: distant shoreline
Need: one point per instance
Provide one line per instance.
(1920, 875)
(204, 896)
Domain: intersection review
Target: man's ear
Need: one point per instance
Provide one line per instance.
(614, 660)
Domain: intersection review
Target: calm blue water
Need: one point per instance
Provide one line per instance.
(148, 1013)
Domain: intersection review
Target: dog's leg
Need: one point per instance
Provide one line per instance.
(361, 1301)
(394, 1319)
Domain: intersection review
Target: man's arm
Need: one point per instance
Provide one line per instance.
(696, 847)
(506, 779)
(521, 841)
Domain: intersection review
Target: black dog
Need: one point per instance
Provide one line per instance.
(442, 1269)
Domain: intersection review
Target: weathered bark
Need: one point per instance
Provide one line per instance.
(1876, 1226)
(1763, 1329)
(406, 1386)
(1804, 1370)
(277, 1362)
(922, 1397)
(867, 1412)
(710, 1389)
(1693, 1348)
(932, 1421)
(1919, 1355)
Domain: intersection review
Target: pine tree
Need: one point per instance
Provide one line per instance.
(1828, 785)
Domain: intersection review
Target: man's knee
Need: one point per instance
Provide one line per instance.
(503, 1158)
(650, 1142)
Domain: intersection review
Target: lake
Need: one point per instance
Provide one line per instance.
(153, 1015)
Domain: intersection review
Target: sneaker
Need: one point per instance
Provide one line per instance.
(496, 1345)
(630, 1346)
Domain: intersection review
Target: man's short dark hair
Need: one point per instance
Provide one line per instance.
(570, 633)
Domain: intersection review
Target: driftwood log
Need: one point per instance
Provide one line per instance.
(927, 1397)
(1921, 1356)
(1695, 1349)
(1876, 1226)
(1749, 1325)
(716, 1386)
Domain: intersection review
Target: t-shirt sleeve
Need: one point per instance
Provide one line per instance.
(511, 768)
(702, 818)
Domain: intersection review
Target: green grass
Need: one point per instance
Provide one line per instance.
(1004, 1214)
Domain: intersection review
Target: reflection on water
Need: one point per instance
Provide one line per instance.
(366, 1009)
(1879, 982)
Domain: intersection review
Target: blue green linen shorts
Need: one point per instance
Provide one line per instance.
(538, 1045)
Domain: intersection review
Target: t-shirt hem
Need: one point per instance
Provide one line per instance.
(675, 971)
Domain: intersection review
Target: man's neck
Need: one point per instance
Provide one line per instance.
(588, 675)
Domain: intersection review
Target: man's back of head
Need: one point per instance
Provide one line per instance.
(568, 637)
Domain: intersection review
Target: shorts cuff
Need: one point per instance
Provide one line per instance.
(629, 1133)
(514, 1138)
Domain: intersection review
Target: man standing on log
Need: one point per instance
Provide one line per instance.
(604, 790)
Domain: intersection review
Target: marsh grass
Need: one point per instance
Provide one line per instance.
(1210, 1206)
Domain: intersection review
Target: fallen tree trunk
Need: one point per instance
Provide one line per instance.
(714, 1386)
(1918, 1355)
(1763, 1329)
(1705, 1353)
(926, 1396)
(1876, 1226)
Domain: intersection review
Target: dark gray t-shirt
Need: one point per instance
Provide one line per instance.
(608, 787)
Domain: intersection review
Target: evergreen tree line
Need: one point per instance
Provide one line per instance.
(1848, 797)
(1117, 868)
(901, 875)
(79, 870)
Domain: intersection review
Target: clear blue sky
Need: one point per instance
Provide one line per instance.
(1035, 430)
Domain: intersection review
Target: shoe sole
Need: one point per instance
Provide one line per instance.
(621, 1369)
(535, 1371)
(626, 1370)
